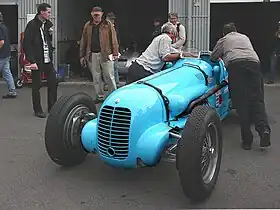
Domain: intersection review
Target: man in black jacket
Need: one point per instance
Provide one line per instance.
(38, 50)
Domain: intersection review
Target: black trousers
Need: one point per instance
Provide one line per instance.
(52, 83)
(136, 72)
(247, 94)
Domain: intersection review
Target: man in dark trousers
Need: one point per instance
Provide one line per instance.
(38, 50)
(5, 54)
(245, 83)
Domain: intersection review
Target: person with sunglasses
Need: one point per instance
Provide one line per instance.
(99, 48)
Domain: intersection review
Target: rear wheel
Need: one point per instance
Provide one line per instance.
(199, 153)
(63, 129)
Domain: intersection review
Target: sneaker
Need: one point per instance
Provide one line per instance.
(105, 87)
(265, 139)
(40, 114)
(99, 99)
(10, 95)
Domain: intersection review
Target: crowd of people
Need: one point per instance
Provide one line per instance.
(99, 51)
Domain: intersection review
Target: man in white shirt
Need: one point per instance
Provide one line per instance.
(154, 57)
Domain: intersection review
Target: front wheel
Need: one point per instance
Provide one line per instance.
(199, 153)
(63, 129)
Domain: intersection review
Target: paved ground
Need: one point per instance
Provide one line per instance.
(29, 180)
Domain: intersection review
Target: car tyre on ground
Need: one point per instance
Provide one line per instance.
(63, 129)
(199, 153)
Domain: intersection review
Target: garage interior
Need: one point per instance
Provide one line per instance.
(134, 20)
(256, 20)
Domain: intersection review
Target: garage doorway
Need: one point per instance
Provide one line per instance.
(256, 20)
(134, 20)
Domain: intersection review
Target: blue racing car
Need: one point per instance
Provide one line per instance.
(174, 115)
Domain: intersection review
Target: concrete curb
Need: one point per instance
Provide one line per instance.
(76, 83)
(272, 85)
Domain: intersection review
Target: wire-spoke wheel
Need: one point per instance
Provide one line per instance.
(210, 153)
(199, 153)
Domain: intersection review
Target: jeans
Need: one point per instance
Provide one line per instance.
(273, 66)
(6, 72)
(116, 72)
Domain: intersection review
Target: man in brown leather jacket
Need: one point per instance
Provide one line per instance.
(98, 49)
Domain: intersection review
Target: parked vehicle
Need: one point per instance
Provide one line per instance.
(174, 115)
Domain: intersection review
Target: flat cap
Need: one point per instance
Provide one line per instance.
(97, 9)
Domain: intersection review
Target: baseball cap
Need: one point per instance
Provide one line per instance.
(97, 9)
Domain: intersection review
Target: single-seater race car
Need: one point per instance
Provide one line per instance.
(174, 115)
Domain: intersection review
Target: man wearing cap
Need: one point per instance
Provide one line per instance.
(98, 49)
(245, 83)
(5, 54)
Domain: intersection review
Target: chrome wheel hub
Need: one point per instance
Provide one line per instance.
(72, 125)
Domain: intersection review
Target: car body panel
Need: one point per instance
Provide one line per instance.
(132, 124)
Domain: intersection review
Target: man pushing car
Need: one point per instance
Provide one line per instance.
(245, 83)
(154, 57)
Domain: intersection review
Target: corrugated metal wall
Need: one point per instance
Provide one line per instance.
(29, 7)
(195, 15)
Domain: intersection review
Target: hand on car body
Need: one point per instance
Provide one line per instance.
(243, 65)
(156, 55)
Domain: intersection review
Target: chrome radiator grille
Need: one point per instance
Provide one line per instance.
(113, 132)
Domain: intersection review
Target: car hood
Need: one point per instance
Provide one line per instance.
(181, 84)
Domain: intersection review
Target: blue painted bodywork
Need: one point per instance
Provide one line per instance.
(132, 123)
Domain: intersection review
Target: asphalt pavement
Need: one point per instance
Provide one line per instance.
(30, 180)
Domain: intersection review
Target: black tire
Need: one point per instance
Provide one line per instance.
(18, 83)
(189, 153)
(65, 149)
